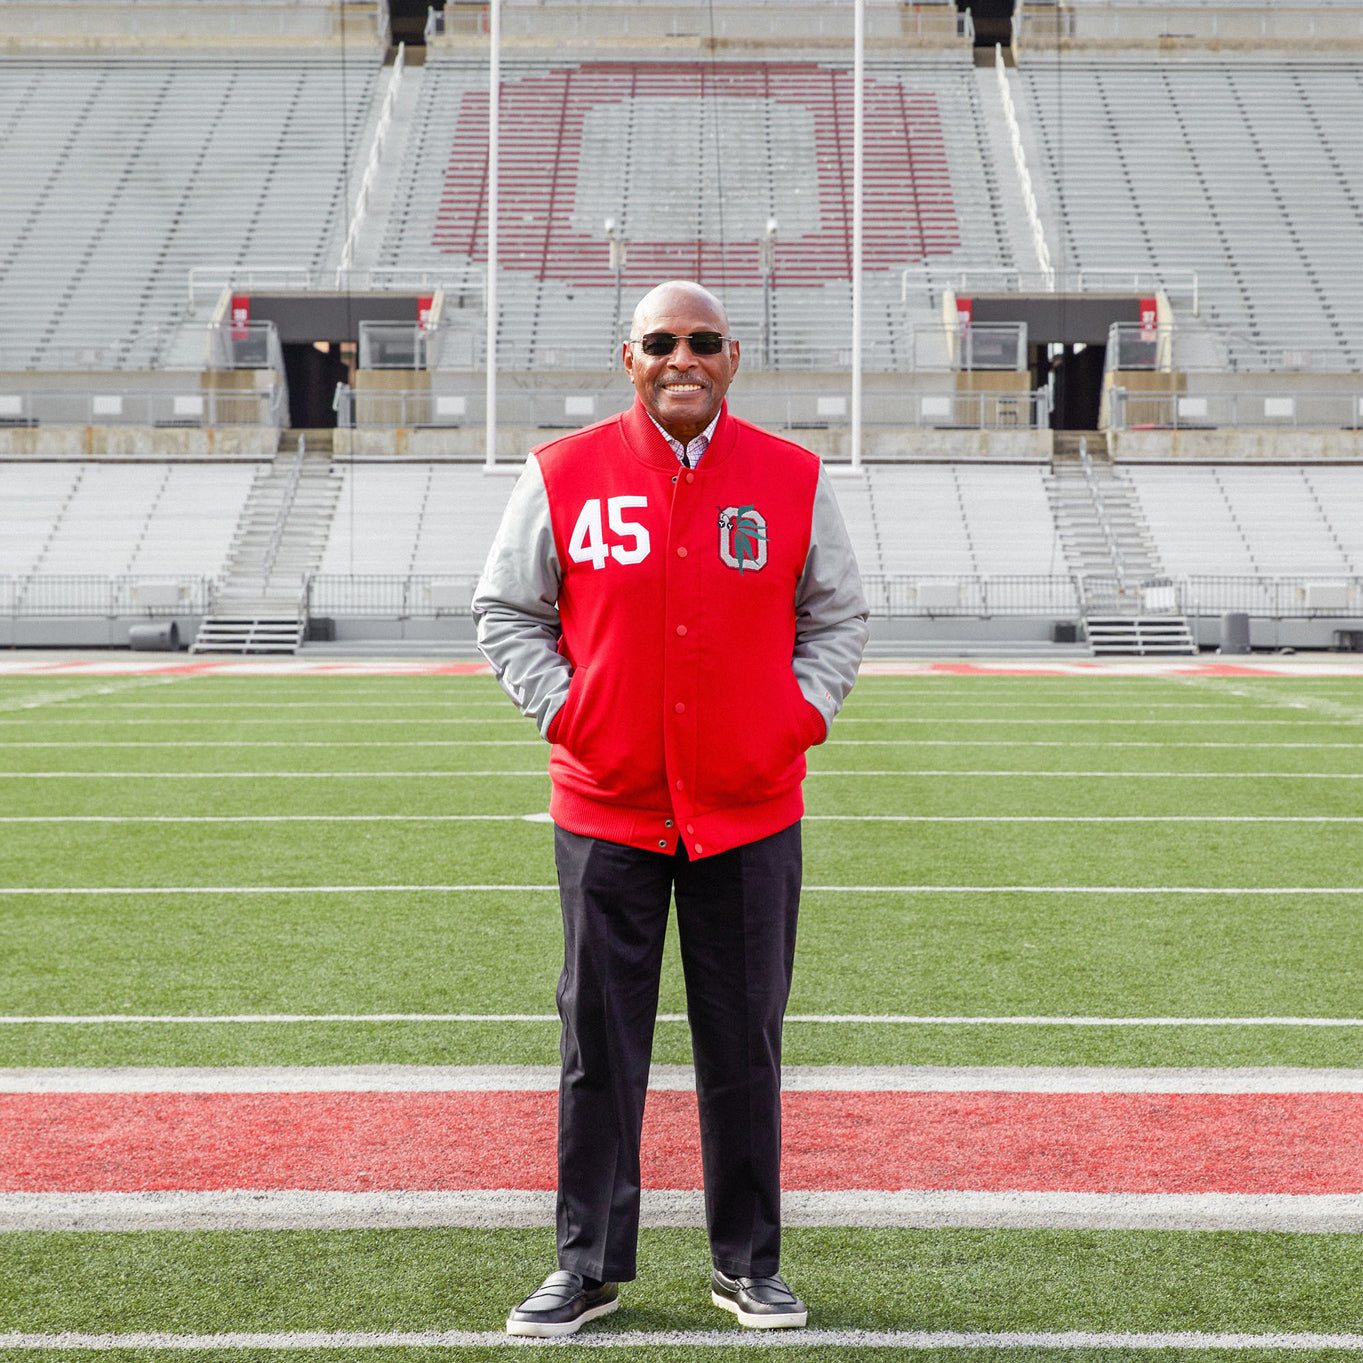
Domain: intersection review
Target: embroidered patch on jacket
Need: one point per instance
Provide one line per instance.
(743, 538)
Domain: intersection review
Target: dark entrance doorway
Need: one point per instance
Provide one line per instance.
(1074, 374)
(313, 369)
(1067, 336)
(993, 20)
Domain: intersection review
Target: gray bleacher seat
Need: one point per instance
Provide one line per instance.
(110, 519)
(1245, 170)
(123, 173)
(580, 144)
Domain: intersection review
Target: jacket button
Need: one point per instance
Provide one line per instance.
(689, 829)
(680, 707)
(681, 785)
(690, 477)
(662, 842)
(681, 629)
(698, 847)
(667, 823)
(681, 551)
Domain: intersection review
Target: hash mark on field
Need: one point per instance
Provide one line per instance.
(698, 1339)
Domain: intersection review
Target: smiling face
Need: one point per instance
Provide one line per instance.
(682, 391)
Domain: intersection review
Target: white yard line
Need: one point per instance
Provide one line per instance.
(540, 817)
(1068, 1340)
(794, 1079)
(1235, 891)
(832, 1019)
(1067, 744)
(258, 1209)
(814, 773)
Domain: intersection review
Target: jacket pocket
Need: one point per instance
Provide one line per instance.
(616, 745)
(753, 735)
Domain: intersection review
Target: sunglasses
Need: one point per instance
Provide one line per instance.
(658, 343)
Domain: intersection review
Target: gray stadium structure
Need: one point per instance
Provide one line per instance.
(1111, 282)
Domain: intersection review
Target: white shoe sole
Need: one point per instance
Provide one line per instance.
(793, 1320)
(542, 1330)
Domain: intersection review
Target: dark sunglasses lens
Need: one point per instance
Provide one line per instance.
(658, 343)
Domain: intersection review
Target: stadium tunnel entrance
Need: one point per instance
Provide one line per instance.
(320, 336)
(1067, 339)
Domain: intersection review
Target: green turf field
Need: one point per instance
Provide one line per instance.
(977, 847)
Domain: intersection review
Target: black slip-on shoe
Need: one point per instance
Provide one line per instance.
(560, 1304)
(759, 1303)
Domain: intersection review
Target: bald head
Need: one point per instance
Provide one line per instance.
(671, 293)
(681, 389)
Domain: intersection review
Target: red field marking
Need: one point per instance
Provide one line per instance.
(993, 1141)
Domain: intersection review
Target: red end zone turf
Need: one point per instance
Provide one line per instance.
(1308, 1143)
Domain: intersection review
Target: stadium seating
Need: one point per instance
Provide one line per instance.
(1245, 170)
(124, 173)
(774, 138)
(1249, 521)
(152, 519)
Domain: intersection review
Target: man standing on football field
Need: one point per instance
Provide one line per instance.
(673, 596)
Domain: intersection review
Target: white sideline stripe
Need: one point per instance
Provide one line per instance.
(695, 1339)
(808, 818)
(909, 1019)
(342, 774)
(250, 1209)
(380, 743)
(539, 743)
(680, 1078)
(314, 818)
(1237, 890)
(248, 775)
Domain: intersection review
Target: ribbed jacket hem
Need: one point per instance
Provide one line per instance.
(656, 830)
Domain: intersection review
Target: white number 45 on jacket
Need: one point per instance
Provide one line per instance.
(588, 544)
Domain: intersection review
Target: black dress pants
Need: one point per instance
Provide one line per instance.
(736, 916)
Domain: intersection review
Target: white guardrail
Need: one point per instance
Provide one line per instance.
(1137, 410)
(143, 407)
(891, 595)
(381, 408)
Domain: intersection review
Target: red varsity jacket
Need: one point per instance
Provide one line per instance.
(683, 716)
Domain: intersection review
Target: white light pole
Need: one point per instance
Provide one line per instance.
(858, 173)
(617, 240)
(766, 256)
(494, 78)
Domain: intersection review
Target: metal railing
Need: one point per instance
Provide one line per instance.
(382, 408)
(389, 595)
(64, 595)
(891, 595)
(207, 282)
(372, 167)
(666, 19)
(240, 20)
(1289, 409)
(409, 345)
(112, 406)
(977, 345)
(243, 345)
(1178, 285)
(1135, 20)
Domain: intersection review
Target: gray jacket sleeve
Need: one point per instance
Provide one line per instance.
(515, 603)
(830, 610)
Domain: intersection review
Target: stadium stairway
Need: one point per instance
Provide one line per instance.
(1110, 550)
(260, 605)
